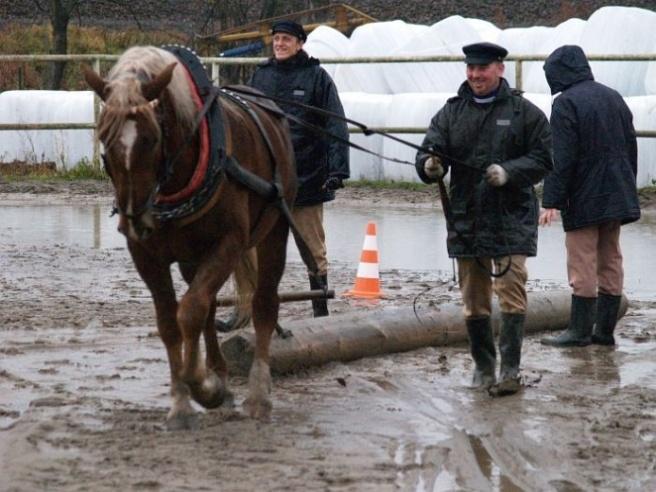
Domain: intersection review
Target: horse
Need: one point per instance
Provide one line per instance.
(150, 113)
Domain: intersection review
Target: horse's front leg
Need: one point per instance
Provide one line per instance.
(271, 255)
(196, 310)
(157, 277)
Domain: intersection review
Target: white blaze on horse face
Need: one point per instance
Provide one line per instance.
(128, 138)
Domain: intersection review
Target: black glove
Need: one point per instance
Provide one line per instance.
(333, 183)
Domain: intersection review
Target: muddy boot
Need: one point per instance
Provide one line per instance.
(319, 306)
(581, 320)
(510, 348)
(607, 309)
(234, 322)
(481, 345)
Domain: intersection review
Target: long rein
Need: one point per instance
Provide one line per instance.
(444, 197)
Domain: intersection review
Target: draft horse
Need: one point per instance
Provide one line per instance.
(150, 113)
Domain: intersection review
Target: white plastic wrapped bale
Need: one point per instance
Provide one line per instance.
(375, 39)
(522, 41)
(408, 110)
(443, 38)
(486, 30)
(568, 32)
(644, 116)
(64, 147)
(370, 109)
(326, 42)
(621, 30)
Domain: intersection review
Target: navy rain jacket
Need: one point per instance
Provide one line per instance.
(595, 148)
(301, 79)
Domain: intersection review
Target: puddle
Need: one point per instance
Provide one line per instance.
(407, 239)
(490, 469)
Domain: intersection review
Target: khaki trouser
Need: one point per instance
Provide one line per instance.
(309, 221)
(594, 260)
(477, 285)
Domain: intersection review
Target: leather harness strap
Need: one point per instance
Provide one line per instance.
(272, 192)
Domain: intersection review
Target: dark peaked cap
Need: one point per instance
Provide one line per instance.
(290, 27)
(483, 53)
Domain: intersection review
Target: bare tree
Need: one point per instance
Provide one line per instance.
(59, 12)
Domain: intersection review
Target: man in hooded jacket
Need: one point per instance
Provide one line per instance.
(497, 146)
(594, 188)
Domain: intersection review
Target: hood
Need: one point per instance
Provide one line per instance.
(565, 67)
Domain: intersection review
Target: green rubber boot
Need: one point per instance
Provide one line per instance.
(510, 349)
(481, 345)
(579, 331)
(608, 308)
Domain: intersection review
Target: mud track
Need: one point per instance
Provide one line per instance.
(84, 384)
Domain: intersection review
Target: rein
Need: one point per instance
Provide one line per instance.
(444, 197)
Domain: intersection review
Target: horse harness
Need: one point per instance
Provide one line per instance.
(222, 161)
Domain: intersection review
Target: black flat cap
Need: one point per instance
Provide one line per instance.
(483, 53)
(290, 27)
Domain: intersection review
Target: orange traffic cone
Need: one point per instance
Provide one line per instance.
(367, 280)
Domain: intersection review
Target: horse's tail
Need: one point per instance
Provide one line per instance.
(245, 280)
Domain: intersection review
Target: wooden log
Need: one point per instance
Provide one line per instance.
(352, 336)
(287, 296)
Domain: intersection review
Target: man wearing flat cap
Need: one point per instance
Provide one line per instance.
(322, 162)
(497, 146)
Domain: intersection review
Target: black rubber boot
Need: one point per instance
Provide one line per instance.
(319, 306)
(579, 331)
(607, 309)
(510, 349)
(481, 345)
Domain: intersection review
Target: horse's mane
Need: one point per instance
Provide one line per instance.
(137, 65)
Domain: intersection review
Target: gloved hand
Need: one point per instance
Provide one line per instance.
(496, 175)
(333, 183)
(433, 167)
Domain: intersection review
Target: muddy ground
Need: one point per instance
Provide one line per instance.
(84, 383)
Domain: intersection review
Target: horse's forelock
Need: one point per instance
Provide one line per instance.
(140, 64)
(136, 66)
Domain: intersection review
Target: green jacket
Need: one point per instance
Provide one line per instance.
(489, 221)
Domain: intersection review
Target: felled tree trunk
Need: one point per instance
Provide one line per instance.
(352, 336)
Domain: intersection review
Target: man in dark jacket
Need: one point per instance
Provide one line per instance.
(322, 163)
(497, 145)
(594, 187)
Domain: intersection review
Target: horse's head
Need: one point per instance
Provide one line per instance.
(130, 130)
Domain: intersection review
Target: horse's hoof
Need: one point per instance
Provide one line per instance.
(258, 409)
(182, 421)
(212, 393)
(222, 326)
(282, 332)
(234, 322)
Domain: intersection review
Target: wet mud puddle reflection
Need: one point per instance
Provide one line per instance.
(402, 238)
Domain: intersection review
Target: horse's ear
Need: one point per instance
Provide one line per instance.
(95, 81)
(152, 90)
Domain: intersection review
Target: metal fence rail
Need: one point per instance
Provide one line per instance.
(215, 63)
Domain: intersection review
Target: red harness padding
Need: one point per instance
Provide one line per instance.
(203, 155)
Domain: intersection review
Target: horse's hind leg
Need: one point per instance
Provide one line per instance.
(271, 265)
